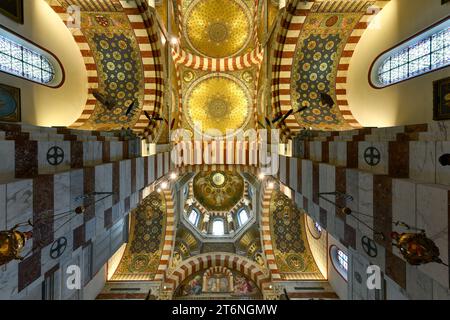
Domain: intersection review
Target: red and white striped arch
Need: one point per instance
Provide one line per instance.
(284, 45)
(284, 49)
(88, 58)
(344, 62)
(192, 61)
(266, 236)
(169, 237)
(224, 259)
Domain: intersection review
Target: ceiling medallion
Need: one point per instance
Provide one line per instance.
(218, 28)
(218, 179)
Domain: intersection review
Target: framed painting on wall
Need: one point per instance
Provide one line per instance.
(441, 94)
(9, 103)
(13, 9)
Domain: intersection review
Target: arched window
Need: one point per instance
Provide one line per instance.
(317, 227)
(23, 59)
(425, 52)
(194, 216)
(243, 216)
(218, 228)
(340, 261)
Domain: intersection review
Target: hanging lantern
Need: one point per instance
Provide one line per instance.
(12, 243)
(416, 248)
(80, 209)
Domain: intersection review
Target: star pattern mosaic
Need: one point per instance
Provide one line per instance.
(143, 252)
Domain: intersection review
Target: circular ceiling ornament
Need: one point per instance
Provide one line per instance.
(218, 179)
(217, 103)
(218, 28)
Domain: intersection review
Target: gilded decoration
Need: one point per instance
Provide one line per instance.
(217, 283)
(143, 252)
(291, 249)
(218, 28)
(217, 103)
(218, 190)
(319, 49)
(119, 66)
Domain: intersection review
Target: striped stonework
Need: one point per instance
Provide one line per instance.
(169, 238)
(213, 167)
(284, 45)
(88, 59)
(225, 259)
(145, 27)
(266, 235)
(190, 60)
(95, 5)
(344, 62)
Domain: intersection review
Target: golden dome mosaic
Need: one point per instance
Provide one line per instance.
(218, 103)
(218, 28)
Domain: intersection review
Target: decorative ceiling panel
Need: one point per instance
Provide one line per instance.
(119, 66)
(142, 254)
(218, 102)
(218, 28)
(291, 250)
(218, 190)
(314, 70)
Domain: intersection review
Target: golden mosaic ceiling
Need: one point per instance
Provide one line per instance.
(218, 190)
(218, 102)
(218, 28)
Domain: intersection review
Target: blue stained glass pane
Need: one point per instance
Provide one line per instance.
(447, 55)
(424, 56)
(386, 66)
(36, 60)
(37, 73)
(5, 46)
(413, 67)
(437, 58)
(21, 61)
(394, 61)
(437, 41)
(424, 64)
(17, 67)
(403, 72)
(46, 76)
(403, 57)
(16, 51)
(446, 35)
(27, 71)
(394, 75)
(385, 77)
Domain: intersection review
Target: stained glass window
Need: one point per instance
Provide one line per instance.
(218, 228)
(193, 217)
(418, 58)
(19, 60)
(342, 259)
(242, 216)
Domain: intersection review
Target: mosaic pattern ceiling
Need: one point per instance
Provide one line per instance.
(218, 190)
(218, 28)
(292, 253)
(319, 49)
(142, 254)
(218, 102)
(119, 65)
